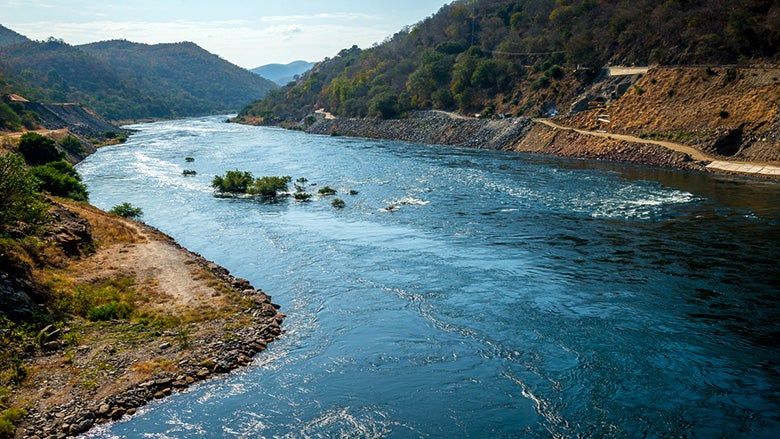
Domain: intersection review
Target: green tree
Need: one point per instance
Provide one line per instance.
(22, 204)
(384, 105)
(60, 179)
(233, 181)
(37, 149)
(269, 187)
(127, 210)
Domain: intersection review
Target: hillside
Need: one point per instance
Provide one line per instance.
(283, 74)
(197, 80)
(122, 80)
(524, 58)
(9, 37)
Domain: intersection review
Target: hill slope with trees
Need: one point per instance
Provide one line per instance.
(123, 80)
(523, 57)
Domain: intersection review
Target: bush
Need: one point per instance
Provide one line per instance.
(233, 181)
(8, 418)
(61, 180)
(189, 172)
(73, 145)
(269, 187)
(22, 204)
(301, 196)
(37, 149)
(110, 311)
(338, 203)
(326, 191)
(127, 210)
(189, 159)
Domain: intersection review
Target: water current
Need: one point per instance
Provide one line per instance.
(505, 295)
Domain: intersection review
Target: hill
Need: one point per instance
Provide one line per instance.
(123, 80)
(529, 57)
(283, 74)
(8, 37)
(196, 79)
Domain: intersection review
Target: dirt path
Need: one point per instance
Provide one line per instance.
(739, 167)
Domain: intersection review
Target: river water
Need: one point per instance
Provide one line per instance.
(506, 295)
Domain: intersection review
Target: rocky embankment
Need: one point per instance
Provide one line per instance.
(432, 127)
(509, 134)
(74, 117)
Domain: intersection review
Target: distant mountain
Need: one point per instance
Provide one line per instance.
(124, 80)
(8, 37)
(283, 74)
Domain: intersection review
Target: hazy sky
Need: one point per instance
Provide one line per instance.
(247, 33)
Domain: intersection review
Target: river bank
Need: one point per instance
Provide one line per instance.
(524, 135)
(193, 320)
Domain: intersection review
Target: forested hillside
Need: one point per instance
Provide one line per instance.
(523, 57)
(122, 80)
(194, 78)
(8, 37)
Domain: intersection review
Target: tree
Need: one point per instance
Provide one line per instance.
(127, 210)
(269, 187)
(22, 204)
(233, 181)
(384, 105)
(61, 180)
(37, 149)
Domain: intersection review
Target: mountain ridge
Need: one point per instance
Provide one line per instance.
(283, 74)
(122, 80)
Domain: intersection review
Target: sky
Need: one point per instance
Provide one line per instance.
(248, 33)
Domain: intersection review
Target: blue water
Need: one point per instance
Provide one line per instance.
(507, 295)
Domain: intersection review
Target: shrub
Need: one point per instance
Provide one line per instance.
(189, 159)
(326, 191)
(37, 149)
(233, 181)
(61, 180)
(189, 172)
(269, 187)
(110, 311)
(301, 196)
(338, 203)
(126, 210)
(73, 145)
(21, 202)
(8, 418)
(723, 114)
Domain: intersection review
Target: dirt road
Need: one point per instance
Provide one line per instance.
(738, 167)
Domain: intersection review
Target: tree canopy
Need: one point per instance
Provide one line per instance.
(513, 56)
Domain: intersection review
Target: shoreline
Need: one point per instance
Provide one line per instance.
(119, 366)
(538, 136)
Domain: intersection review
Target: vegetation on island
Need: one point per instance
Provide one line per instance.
(519, 57)
(242, 182)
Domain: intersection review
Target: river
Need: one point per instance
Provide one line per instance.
(504, 295)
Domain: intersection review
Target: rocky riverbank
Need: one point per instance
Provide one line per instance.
(432, 127)
(193, 320)
(524, 135)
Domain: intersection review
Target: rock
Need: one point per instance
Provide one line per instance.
(165, 346)
(203, 373)
(68, 229)
(103, 410)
